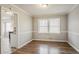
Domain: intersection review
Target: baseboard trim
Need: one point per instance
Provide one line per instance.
(73, 46)
(24, 44)
(40, 40)
(49, 40)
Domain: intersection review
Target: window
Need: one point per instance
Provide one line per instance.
(42, 26)
(9, 27)
(54, 25)
(49, 26)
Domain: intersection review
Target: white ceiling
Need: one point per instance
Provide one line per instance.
(35, 9)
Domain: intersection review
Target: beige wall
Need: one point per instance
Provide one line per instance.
(58, 37)
(73, 28)
(24, 29)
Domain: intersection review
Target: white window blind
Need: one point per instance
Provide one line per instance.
(54, 25)
(49, 26)
(42, 26)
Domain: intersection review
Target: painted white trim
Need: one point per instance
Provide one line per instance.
(52, 40)
(21, 10)
(77, 34)
(15, 7)
(41, 40)
(24, 44)
(73, 46)
(73, 8)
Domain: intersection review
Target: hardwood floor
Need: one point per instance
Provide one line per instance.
(43, 47)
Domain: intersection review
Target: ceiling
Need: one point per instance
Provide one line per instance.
(35, 9)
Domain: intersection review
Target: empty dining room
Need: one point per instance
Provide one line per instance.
(39, 28)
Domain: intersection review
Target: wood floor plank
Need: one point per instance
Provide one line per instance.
(44, 47)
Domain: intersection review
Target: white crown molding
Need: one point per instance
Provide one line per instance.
(14, 6)
(76, 5)
(21, 9)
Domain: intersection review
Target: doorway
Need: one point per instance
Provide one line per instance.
(7, 31)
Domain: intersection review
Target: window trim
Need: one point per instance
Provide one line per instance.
(42, 26)
(49, 26)
(59, 26)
